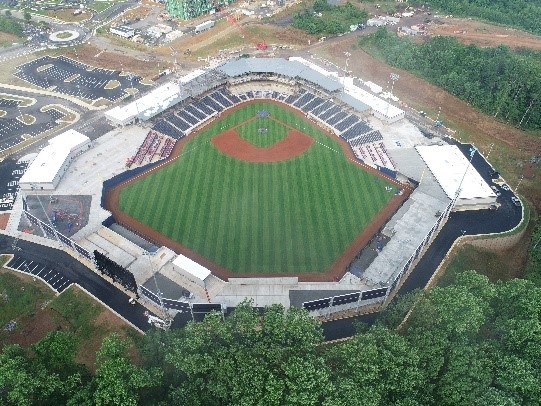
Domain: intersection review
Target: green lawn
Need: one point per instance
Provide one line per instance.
(292, 216)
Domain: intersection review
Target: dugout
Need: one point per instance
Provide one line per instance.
(191, 270)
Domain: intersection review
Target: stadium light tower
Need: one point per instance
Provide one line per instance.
(347, 55)
(519, 182)
(165, 315)
(472, 151)
(394, 77)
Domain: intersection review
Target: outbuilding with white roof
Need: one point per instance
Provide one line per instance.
(48, 167)
(454, 173)
(190, 269)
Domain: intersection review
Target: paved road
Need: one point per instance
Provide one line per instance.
(67, 267)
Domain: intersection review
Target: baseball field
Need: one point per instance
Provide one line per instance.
(260, 190)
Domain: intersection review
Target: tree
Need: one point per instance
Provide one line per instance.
(27, 16)
(250, 358)
(117, 380)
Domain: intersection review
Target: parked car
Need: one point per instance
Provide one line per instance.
(505, 187)
(495, 190)
(516, 201)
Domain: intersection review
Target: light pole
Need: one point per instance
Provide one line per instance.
(519, 182)
(473, 150)
(165, 315)
(394, 77)
(347, 55)
(490, 149)
(49, 223)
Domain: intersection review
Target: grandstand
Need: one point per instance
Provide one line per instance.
(353, 115)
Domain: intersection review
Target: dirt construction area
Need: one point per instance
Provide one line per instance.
(484, 35)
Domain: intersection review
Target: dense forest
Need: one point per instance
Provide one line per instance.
(523, 14)
(327, 19)
(471, 342)
(497, 81)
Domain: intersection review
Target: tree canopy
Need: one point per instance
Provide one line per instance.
(10, 25)
(470, 343)
(326, 19)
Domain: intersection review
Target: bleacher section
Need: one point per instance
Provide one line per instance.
(194, 112)
(329, 113)
(191, 115)
(365, 142)
(366, 138)
(347, 122)
(168, 129)
(336, 118)
(304, 99)
(322, 108)
(357, 130)
(177, 122)
(317, 101)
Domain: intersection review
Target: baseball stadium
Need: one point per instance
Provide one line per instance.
(269, 179)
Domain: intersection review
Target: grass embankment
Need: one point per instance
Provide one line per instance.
(37, 310)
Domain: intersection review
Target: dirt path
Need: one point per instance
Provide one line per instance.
(484, 35)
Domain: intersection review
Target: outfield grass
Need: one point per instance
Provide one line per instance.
(292, 216)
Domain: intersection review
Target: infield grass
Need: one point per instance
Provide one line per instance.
(292, 216)
(274, 132)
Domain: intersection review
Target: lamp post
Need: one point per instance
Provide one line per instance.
(490, 149)
(49, 223)
(519, 182)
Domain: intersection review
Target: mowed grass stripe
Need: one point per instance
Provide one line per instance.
(251, 217)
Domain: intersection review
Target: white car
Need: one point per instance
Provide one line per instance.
(515, 200)
(505, 187)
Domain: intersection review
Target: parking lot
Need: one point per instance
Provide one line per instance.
(55, 279)
(10, 173)
(68, 76)
(12, 128)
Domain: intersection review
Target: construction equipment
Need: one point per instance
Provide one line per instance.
(258, 44)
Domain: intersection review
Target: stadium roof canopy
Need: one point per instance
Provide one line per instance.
(279, 66)
(191, 267)
(147, 106)
(453, 171)
(353, 102)
(382, 109)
